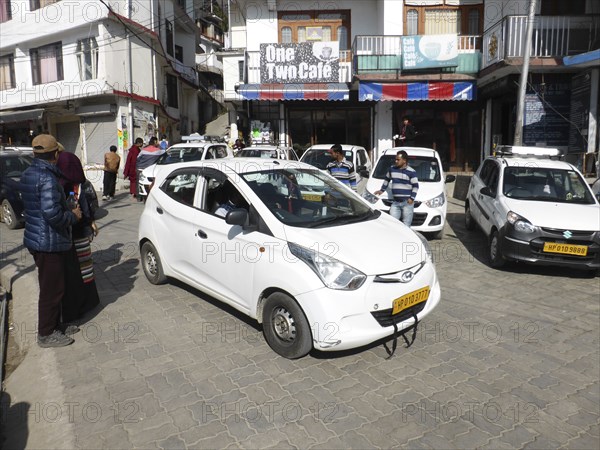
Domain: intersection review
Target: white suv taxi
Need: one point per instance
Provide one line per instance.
(534, 208)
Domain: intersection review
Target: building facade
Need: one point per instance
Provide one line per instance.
(97, 73)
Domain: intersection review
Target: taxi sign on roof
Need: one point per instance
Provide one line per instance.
(517, 150)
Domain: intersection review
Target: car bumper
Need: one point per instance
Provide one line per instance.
(530, 248)
(425, 219)
(338, 323)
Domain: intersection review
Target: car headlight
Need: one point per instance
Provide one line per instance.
(371, 198)
(436, 202)
(520, 223)
(333, 273)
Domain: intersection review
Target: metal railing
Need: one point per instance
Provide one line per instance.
(553, 36)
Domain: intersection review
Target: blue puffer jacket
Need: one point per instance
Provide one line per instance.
(48, 219)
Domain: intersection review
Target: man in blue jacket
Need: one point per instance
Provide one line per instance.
(47, 235)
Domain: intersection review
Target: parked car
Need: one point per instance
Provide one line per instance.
(13, 163)
(309, 268)
(268, 151)
(195, 148)
(319, 156)
(534, 209)
(431, 201)
(596, 188)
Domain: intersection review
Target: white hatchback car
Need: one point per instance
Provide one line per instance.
(534, 209)
(194, 149)
(267, 151)
(319, 156)
(307, 263)
(431, 201)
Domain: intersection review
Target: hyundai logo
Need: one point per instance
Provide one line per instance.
(567, 234)
(406, 276)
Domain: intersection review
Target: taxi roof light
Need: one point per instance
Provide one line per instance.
(517, 150)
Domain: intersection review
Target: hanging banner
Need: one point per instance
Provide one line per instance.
(429, 51)
(306, 62)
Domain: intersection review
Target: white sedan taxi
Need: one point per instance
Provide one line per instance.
(291, 247)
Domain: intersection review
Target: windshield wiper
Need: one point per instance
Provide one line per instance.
(343, 219)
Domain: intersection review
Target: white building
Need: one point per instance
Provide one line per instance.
(97, 73)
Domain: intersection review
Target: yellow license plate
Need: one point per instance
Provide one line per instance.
(566, 249)
(411, 299)
(312, 197)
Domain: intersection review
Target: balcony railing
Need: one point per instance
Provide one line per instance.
(381, 54)
(553, 36)
(253, 67)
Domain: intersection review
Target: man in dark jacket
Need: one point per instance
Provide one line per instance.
(47, 235)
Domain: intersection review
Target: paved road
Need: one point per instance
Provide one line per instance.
(509, 359)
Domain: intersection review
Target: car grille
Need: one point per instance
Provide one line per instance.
(589, 235)
(418, 219)
(385, 318)
(578, 238)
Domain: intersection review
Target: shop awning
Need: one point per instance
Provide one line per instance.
(588, 59)
(294, 91)
(20, 116)
(413, 91)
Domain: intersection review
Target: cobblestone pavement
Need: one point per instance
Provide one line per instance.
(509, 359)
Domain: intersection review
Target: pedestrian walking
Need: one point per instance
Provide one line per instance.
(112, 161)
(47, 235)
(405, 186)
(148, 156)
(81, 293)
(130, 172)
(341, 168)
(408, 134)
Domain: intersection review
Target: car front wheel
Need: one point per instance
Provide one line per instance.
(285, 327)
(496, 258)
(8, 215)
(151, 264)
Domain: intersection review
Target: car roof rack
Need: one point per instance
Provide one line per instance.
(275, 143)
(197, 137)
(519, 151)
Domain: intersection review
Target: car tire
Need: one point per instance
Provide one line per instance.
(151, 264)
(495, 254)
(8, 215)
(469, 222)
(285, 327)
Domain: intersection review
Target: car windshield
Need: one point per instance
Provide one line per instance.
(181, 154)
(308, 198)
(257, 153)
(13, 166)
(545, 184)
(320, 158)
(427, 168)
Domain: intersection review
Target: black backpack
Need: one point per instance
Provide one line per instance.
(91, 197)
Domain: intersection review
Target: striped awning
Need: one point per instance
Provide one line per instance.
(294, 91)
(414, 91)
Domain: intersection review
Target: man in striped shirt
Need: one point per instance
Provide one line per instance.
(341, 168)
(404, 188)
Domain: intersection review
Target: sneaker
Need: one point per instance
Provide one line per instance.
(104, 197)
(68, 328)
(56, 339)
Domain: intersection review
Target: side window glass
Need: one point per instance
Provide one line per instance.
(362, 159)
(493, 179)
(220, 151)
(181, 186)
(221, 195)
(486, 171)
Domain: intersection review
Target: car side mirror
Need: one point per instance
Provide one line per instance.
(450, 178)
(364, 173)
(237, 216)
(487, 191)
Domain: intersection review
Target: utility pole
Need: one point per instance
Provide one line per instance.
(518, 140)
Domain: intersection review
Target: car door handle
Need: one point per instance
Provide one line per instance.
(159, 210)
(201, 234)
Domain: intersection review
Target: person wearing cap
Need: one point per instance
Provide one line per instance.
(47, 235)
(111, 168)
(130, 172)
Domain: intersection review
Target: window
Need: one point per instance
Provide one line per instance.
(87, 58)
(169, 37)
(444, 19)
(412, 22)
(7, 72)
(172, 98)
(5, 12)
(314, 26)
(46, 63)
(179, 53)
(241, 70)
(37, 4)
(181, 186)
